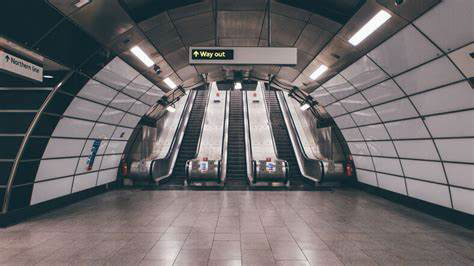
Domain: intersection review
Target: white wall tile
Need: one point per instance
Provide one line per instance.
(88, 147)
(84, 109)
(454, 97)
(112, 116)
(139, 108)
(122, 102)
(48, 190)
(449, 24)
(382, 148)
(363, 73)
(365, 117)
(392, 183)
(130, 120)
(96, 91)
(364, 162)
(63, 148)
(69, 127)
(110, 161)
(434, 193)
(354, 102)
(107, 176)
(406, 49)
(431, 75)
(102, 131)
(463, 200)
(396, 110)
(122, 133)
(83, 166)
(417, 149)
(84, 181)
(374, 132)
(152, 95)
(456, 150)
(339, 87)
(460, 174)
(115, 146)
(387, 165)
(351, 134)
(407, 129)
(116, 74)
(450, 125)
(463, 60)
(366, 177)
(322, 96)
(383, 92)
(430, 171)
(335, 109)
(56, 168)
(344, 121)
(137, 87)
(358, 148)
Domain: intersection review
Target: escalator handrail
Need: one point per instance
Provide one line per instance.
(225, 138)
(248, 138)
(292, 127)
(196, 153)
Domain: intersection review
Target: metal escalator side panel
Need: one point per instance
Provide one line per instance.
(303, 162)
(162, 168)
(225, 139)
(248, 139)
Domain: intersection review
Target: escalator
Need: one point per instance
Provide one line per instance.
(190, 140)
(236, 177)
(283, 142)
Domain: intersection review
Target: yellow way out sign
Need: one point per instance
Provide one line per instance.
(212, 54)
(283, 56)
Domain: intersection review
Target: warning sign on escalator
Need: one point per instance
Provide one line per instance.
(203, 166)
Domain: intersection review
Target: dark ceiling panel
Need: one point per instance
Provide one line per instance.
(141, 10)
(340, 11)
(195, 29)
(240, 24)
(19, 17)
(178, 59)
(312, 39)
(242, 5)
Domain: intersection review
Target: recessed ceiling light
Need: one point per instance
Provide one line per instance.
(237, 85)
(170, 83)
(138, 52)
(318, 72)
(374, 23)
(81, 3)
(48, 76)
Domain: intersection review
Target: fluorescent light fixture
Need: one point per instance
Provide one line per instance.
(237, 85)
(170, 83)
(318, 72)
(170, 109)
(304, 107)
(81, 3)
(138, 52)
(48, 77)
(374, 23)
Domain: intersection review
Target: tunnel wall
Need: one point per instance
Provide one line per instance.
(104, 109)
(406, 109)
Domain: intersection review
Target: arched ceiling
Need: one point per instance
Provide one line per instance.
(166, 29)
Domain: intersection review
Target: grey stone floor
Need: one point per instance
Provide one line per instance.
(132, 227)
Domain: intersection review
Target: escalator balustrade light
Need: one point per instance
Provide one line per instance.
(305, 106)
(170, 83)
(318, 72)
(171, 109)
(48, 77)
(237, 85)
(138, 52)
(374, 23)
(81, 3)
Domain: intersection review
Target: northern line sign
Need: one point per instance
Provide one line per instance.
(286, 56)
(19, 66)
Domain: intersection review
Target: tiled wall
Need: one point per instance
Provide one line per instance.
(105, 108)
(406, 109)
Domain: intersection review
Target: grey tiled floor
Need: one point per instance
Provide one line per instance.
(130, 227)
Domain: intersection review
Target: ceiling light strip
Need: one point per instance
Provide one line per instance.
(374, 23)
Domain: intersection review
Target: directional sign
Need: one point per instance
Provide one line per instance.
(18, 66)
(212, 54)
(286, 56)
